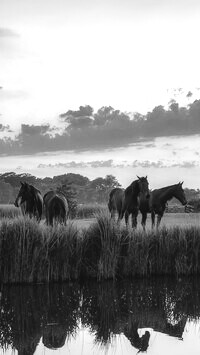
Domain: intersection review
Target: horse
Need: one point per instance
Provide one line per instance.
(125, 202)
(157, 202)
(115, 203)
(56, 207)
(30, 200)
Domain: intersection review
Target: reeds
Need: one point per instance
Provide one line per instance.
(32, 252)
(89, 210)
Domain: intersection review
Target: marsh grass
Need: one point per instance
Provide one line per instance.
(32, 252)
(90, 210)
(9, 211)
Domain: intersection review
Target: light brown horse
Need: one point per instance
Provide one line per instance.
(157, 202)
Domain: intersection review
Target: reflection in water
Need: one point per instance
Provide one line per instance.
(54, 314)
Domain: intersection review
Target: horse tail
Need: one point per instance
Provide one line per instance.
(58, 209)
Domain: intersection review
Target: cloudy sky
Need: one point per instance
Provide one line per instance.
(133, 55)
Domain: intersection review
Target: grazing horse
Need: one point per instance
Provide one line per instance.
(56, 207)
(126, 202)
(157, 202)
(30, 200)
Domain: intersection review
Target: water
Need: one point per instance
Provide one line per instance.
(153, 317)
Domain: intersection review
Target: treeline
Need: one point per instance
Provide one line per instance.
(80, 187)
(107, 127)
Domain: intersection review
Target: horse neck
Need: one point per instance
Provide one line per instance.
(167, 193)
(135, 188)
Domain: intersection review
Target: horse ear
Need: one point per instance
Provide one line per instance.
(21, 183)
(182, 182)
(138, 177)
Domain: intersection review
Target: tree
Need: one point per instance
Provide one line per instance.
(102, 187)
(71, 196)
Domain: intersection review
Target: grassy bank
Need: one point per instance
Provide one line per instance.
(31, 252)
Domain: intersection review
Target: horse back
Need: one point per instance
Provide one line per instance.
(116, 199)
(56, 206)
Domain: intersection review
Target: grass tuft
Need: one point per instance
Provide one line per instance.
(32, 252)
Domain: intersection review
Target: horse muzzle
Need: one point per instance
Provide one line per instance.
(17, 202)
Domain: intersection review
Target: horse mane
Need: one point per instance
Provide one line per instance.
(34, 189)
(134, 186)
(166, 187)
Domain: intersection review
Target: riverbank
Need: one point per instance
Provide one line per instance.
(35, 253)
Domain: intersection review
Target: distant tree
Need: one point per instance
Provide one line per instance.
(111, 182)
(71, 196)
(6, 193)
(102, 187)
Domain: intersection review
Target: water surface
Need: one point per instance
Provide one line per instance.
(153, 317)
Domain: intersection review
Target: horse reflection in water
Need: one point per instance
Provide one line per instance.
(53, 314)
(157, 202)
(56, 207)
(126, 202)
(140, 343)
(30, 200)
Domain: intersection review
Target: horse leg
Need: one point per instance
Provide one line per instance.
(113, 214)
(134, 219)
(144, 218)
(153, 219)
(120, 215)
(126, 218)
(158, 220)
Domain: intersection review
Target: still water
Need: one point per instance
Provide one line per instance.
(149, 316)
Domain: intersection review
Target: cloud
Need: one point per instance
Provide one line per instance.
(34, 130)
(189, 94)
(124, 164)
(4, 128)
(186, 164)
(7, 94)
(107, 128)
(7, 32)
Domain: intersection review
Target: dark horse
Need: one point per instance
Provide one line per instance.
(158, 201)
(126, 202)
(56, 207)
(30, 200)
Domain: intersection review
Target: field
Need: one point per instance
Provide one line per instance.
(96, 248)
(169, 220)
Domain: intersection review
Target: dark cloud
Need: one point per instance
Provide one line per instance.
(34, 130)
(107, 128)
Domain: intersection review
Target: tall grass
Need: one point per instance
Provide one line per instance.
(9, 211)
(90, 210)
(32, 252)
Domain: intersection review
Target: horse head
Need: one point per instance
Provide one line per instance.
(23, 194)
(180, 194)
(144, 186)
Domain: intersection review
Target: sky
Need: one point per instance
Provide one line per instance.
(57, 55)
